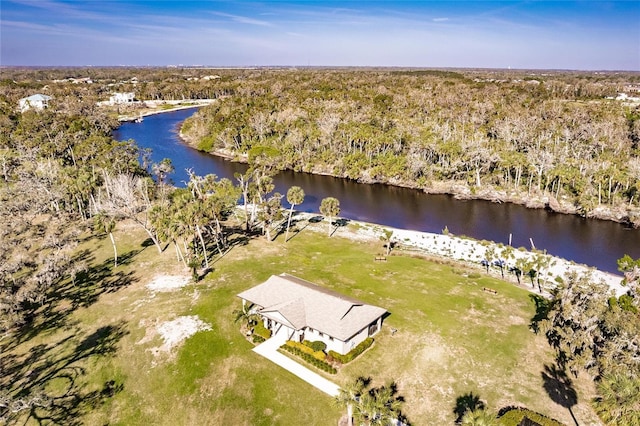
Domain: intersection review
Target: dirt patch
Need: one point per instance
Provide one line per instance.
(164, 283)
(173, 333)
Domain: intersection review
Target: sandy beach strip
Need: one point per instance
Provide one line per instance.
(468, 250)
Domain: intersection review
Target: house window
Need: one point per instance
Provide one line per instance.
(320, 334)
(373, 328)
(330, 339)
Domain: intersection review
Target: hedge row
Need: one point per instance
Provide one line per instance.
(353, 354)
(319, 355)
(514, 416)
(310, 359)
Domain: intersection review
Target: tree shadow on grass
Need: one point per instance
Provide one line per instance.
(559, 387)
(70, 293)
(48, 383)
(234, 237)
(467, 402)
(147, 243)
(543, 305)
(294, 229)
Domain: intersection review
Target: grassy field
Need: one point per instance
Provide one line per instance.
(90, 349)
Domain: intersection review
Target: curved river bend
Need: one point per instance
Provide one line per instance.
(588, 241)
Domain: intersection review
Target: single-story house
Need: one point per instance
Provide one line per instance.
(37, 101)
(300, 310)
(122, 98)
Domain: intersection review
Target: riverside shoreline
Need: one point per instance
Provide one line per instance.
(472, 252)
(536, 200)
(433, 244)
(150, 108)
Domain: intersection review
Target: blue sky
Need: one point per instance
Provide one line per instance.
(588, 35)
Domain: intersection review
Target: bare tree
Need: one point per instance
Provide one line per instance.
(130, 197)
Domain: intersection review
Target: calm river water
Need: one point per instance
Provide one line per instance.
(592, 242)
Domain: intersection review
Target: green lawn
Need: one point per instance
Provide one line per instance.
(452, 339)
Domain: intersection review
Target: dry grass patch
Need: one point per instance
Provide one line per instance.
(452, 338)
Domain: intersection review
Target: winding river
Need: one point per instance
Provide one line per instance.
(589, 241)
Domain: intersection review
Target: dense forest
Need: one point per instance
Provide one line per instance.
(549, 137)
(558, 140)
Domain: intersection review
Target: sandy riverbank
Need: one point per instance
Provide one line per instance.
(472, 251)
(152, 107)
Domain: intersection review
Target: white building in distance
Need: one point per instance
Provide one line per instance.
(122, 98)
(37, 101)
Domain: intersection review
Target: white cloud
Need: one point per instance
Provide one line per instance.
(244, 19)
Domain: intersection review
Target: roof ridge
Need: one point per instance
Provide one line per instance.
(326, 291)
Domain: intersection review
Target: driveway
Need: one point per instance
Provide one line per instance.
(269, 350)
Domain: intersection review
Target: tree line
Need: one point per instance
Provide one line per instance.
(596, 333)
(552, 139)
(62, 175)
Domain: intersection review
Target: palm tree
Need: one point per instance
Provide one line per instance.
(379, 406)
(246, 315)
(386, 237)
(350, 395)
(295, 196)
(619, 398)
(386, 404)
(465, 403)
(478, 417)
(330, 207)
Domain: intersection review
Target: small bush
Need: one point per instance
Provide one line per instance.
(354, 353)
(309, 358)
(512, 416)
(206, 144)
(261, 331)
(316, 346)
(257, 339)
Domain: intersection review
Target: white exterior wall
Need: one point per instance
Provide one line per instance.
(335, 345)
(355, 340)
(313, 335)
(338, 345)
(359, 338)
(122, 98)
(276, 321)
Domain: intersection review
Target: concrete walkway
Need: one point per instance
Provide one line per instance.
(269, 350)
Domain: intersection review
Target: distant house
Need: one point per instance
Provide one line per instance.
(122, 98)
(304, 311)
(37, 101)
(627, 98)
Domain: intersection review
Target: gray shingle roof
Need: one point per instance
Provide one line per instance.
(305, 304)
